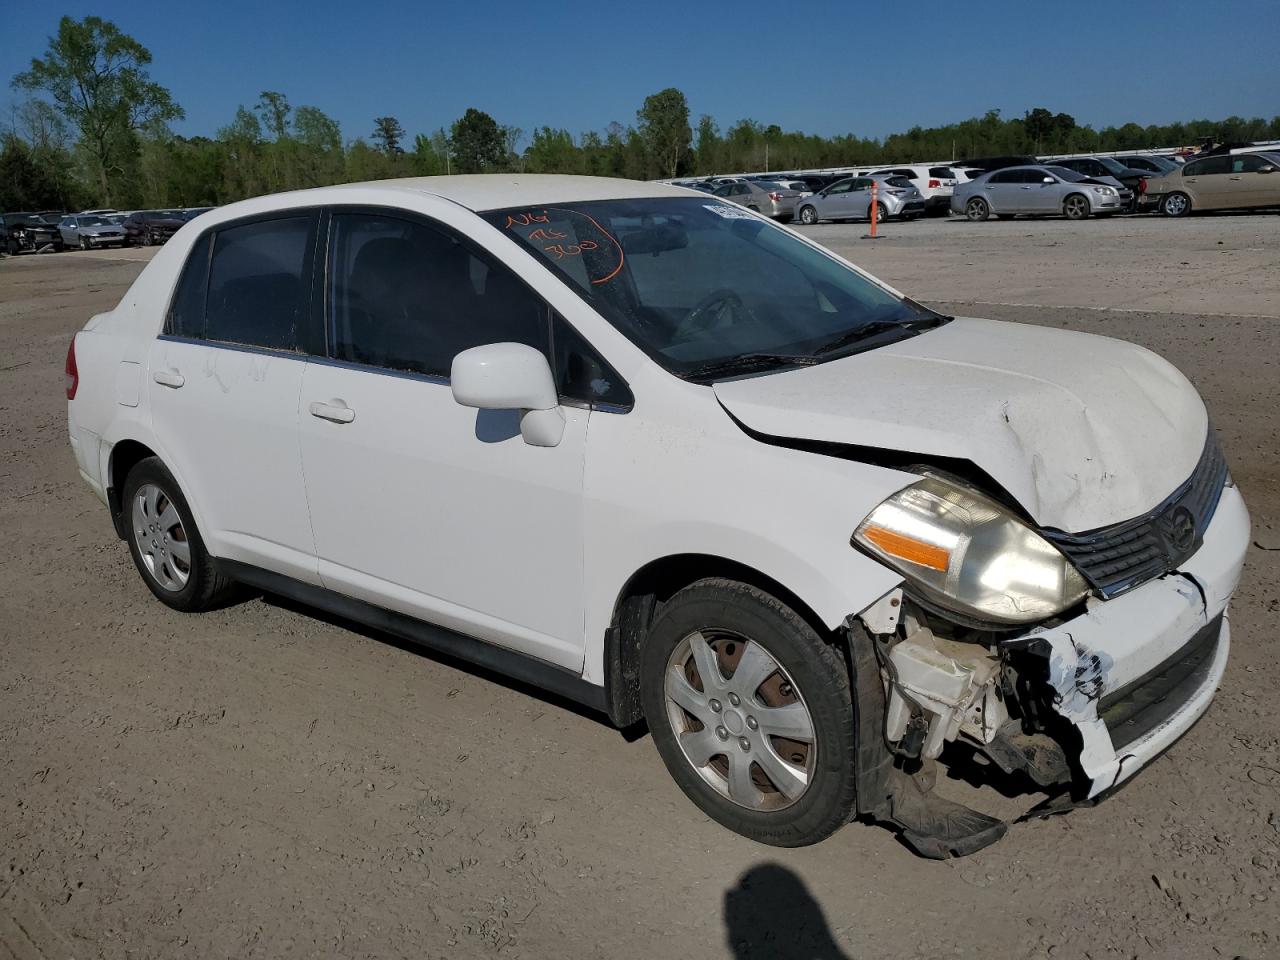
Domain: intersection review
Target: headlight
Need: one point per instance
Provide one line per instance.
(1106, 191)
(967, 553)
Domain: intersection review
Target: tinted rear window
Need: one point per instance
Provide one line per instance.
(899, 182)
(257, 295)
(186, 312)
(945, 173)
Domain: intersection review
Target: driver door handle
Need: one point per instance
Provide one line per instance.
(169, 378)
(334, 411)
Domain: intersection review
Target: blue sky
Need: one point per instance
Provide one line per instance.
(818, 67)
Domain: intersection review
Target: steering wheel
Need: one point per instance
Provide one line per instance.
(714, 306)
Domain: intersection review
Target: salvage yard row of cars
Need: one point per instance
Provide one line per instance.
(1006, 187)
(35, 231)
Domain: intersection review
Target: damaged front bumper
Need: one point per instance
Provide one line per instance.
(1079, 706)
(1131, 675)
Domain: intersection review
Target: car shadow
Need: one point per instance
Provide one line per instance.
(630, 734)
(770, 913)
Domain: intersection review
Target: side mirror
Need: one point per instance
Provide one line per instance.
(511, 376)
(1266, 169)
(1048, 180)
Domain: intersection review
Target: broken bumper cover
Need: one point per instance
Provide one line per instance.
(1135, 673)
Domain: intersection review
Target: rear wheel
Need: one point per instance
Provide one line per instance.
(1175, 205)
(751, 712)
(808, 215)
(1076, 207)
(977, 209)
(165, 544)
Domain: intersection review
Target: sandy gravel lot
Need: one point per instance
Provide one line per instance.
(260, 782)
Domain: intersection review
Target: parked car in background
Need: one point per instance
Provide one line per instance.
(850, 199)
(988, 164)
(190, 213)
(1237, 181)
(764, 196)
(1150, 164)
(1040, 190)
(100, 213)
(684, 466)
(28, 232)
(90, 231)
(801, 188)
(151, 227)
(936, 184)
(1133, 181)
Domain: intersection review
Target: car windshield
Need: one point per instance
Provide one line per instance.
(1062, 173)
(25, 218)
(696, 283)
(94, 222)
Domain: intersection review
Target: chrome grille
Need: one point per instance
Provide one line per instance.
(1126, 555)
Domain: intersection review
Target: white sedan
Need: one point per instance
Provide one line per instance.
(656, 453)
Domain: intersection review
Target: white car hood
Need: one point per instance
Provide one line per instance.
(1084, 431)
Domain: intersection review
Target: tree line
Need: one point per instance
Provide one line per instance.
(96, 131)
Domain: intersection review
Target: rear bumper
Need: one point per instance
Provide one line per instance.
(1135, 673)
(939, 201)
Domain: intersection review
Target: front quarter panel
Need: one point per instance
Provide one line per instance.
(676, 476)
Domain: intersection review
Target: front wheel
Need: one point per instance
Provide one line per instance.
(164, 542)
(808, 215)
(751, 712)
(84, 243)
(977, 209)
(1176, 205)
(1075, 207)
(882, 213)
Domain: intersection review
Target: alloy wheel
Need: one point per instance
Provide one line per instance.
(161, 538)
(740, 720)
(976, 209)
(1077, 207)
(1175, 205)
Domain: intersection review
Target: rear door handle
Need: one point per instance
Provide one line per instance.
(169, 378)
(1235, 178)
(335, 411)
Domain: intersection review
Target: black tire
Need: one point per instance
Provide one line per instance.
(1076, 207)
(84, 243)
(882, 213)
(820, 681)
(1179, 207)
(205, 587)
(976, 209)
(808, 214)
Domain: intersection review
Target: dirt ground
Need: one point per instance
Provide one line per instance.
(261, 782)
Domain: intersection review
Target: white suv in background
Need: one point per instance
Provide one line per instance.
(651, 451)
(936, 184)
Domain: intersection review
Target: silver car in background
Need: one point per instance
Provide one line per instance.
(89, 231)
(851, 200)
(1045, 191)
(764, 196)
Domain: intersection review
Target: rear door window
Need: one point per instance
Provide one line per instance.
(258, 283)
(942, 173)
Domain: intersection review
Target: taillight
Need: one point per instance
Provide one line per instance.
(1142, 185)
(775, 197)
(934, 184)
(73, 375)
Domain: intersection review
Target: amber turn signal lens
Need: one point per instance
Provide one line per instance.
(908, 548)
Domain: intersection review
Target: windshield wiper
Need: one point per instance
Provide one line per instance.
(747, 362)
(868, 330)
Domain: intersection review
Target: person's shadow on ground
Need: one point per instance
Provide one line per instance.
(770, 913)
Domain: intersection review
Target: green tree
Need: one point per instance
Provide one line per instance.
(476, 143)
(274, 108)
(96, 77)
(664, 129)
(387, 134)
